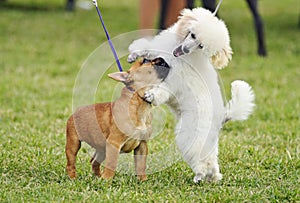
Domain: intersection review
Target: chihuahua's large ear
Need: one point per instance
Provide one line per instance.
(119, 76)
(222, 57)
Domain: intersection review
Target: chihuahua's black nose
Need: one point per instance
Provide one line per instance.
(160, 62)
(161, 67)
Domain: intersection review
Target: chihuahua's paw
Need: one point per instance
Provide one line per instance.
(71, 172)
(149, 96)
(142, 177)
(108, 174)
(106, 177)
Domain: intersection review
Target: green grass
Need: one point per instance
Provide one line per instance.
(42, 49)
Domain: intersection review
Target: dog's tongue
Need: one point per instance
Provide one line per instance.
(178, 51)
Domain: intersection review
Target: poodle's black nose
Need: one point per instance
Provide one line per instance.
(185, 50)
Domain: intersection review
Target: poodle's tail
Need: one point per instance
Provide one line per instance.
(241, 104)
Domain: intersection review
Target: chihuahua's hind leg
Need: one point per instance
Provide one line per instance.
(140, 155)
(96, 161)
(73, 145)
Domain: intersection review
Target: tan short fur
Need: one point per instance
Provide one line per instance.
(114, 127)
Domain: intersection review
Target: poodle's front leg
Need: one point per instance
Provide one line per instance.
(137, 49)
(132, 57)
(157, 95)
(140, 48)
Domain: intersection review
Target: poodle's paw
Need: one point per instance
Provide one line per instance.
(217, 177)
(214, 177)
(199, 178)
(150, 55)
(149, 96)
(132, 57)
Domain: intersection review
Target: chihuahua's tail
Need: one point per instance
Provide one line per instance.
(241, 104)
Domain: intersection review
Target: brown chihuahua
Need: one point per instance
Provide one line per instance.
(117, 127)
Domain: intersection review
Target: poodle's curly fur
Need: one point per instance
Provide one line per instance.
(194, 47)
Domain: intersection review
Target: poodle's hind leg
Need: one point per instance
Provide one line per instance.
(208, 169)
(214, 174)
(213, 169)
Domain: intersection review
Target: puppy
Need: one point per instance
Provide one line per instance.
(120, 126)
(195, 46)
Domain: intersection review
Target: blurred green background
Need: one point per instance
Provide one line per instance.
(42, 48)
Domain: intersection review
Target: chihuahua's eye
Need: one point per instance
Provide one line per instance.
(193, 36)
(146, 61)
(200, 46)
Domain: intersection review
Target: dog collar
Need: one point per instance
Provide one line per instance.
(133, 90)
(130, 89)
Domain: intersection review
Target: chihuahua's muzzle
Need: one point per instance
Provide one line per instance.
(161, 67)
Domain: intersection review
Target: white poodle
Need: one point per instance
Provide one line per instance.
(194, 47)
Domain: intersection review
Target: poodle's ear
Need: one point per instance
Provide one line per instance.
(222, 57)
(188, 13)
(185, 19)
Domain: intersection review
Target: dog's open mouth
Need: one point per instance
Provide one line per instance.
(180, 51)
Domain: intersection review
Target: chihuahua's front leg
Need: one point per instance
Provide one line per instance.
(140, 155)
(111, 160)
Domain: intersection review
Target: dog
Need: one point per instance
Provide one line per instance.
(120, 126)
(195, 47)
(211, 5)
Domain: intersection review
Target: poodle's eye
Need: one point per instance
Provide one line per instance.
(193, 36)
(200, 46)
(146, 61)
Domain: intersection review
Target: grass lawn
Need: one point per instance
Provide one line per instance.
(42, 49)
